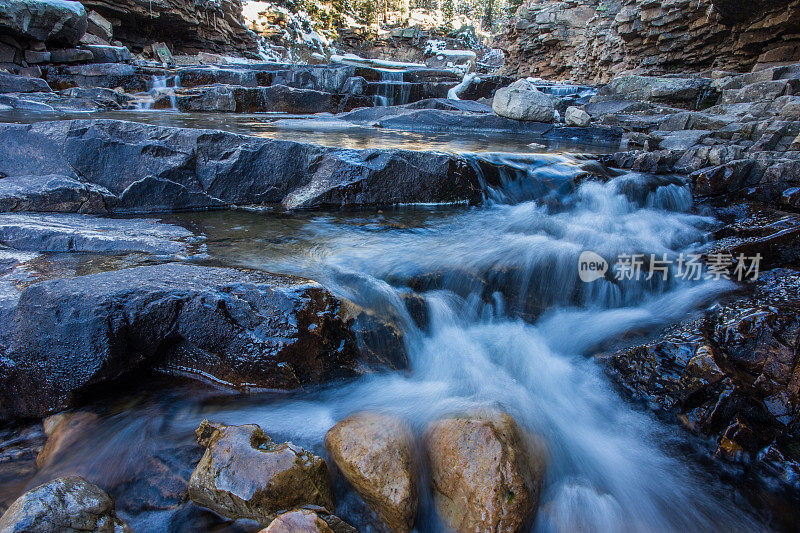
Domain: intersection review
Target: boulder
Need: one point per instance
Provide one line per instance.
(98, 25)
(51, 193)
(108, 54)
(238, 327)
(11, 83)
(463, 60)
(244, 474)
(376, 454)
(52, 21)
(152, 168)
(63, 505)
(575, 116)
(310, 519)
(486, 474)
(522, 101)
(684, 92)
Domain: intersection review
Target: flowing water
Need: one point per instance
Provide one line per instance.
(509, 324)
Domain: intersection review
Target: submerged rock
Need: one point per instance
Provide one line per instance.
(64, 430)
(244, 474)
(486, 474)
(239, 327)
(376, 454)
(522, 101)
(64, 505)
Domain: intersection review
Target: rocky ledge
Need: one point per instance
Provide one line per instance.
(111, 166)
(241, 328)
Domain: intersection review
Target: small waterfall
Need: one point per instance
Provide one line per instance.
(391, 89)
(158, 86)
(565, 89)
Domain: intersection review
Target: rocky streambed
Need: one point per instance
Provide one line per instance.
(237, 297)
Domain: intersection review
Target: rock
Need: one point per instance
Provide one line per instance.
(244, 474)
(11, 83)
(310, 519)
(70, 55)
(485, 473)
(276, 98)
(688, 93)
(51, 193)
(522, 101)
(34, 56)
(729, 375)
(64, 505)
(376, 454)
(189, 27)
(302, 520)
(99, 26)
(576, 116)
(100, 75)
(163, 54)
(64, 430)
(151, 168)
(52, 21)
(87, 234)
(244, 328)
(592, 42)
(108, 54)
(464, 60)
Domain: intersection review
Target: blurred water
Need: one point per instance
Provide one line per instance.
(510, 325)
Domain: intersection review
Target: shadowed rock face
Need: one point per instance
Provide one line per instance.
(190, 27)
(150, 168)
(58, 22)
(245, 328)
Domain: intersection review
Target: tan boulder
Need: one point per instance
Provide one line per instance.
(486, 473)
(375, 453)
(244, 474)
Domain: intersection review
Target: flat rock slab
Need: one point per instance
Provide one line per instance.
(239, 327)
(12, 83)
(85, 233)
(144, 168)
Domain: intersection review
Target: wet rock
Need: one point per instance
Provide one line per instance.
(486, 473)
(20, 443)
(310, 519)
(51, 21)
(151, 168)
(64, 505)
(576, 116)
(729, 375)
(522, 101)
(244, 474)
(106, 75)
(11, 83)
(376, 454)
(237, 327)
(78, 233)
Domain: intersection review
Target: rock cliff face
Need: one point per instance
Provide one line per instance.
(593, 40)
(189, 26)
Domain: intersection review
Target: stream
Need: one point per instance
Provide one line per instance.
(507, 322)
